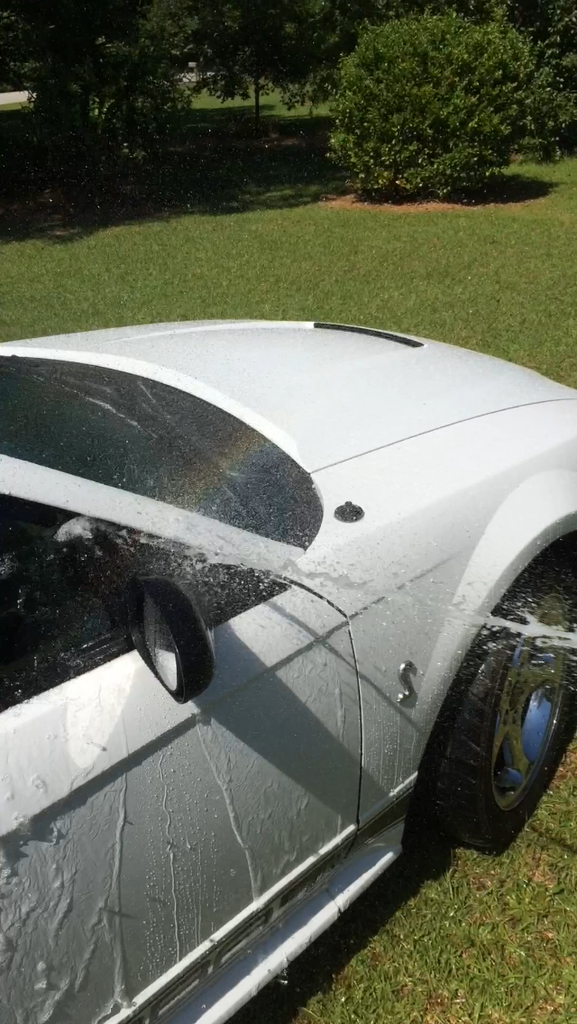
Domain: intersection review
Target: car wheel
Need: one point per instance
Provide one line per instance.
(514, 713)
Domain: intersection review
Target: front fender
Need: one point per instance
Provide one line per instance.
(538, 512)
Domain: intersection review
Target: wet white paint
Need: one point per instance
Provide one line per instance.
(148, 825)
(133, 829)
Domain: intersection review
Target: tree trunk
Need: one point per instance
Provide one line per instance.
(256, 103)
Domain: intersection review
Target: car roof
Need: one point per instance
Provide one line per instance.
(325, 392)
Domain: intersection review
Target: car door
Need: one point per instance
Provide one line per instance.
(138, 835)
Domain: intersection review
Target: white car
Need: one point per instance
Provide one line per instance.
(257, 580)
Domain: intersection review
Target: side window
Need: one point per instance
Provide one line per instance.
(62, 587)
(60, 612)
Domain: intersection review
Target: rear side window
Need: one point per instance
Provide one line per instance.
(148, 438)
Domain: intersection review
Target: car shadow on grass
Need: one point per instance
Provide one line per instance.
(427, 856)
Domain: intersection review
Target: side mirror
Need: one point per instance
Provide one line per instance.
(171, 636)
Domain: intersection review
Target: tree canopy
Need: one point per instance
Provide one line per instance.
(104, 74)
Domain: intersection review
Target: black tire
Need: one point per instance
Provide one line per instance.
(488, 711)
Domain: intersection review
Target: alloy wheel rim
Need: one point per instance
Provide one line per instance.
(529, 707)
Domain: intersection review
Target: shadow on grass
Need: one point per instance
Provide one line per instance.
(215, 164)
(545, 839)
(509, 188)
(506, 189)
(427, 856)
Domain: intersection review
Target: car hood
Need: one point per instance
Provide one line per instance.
(324, 392)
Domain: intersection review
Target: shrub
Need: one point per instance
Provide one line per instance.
(435, 104)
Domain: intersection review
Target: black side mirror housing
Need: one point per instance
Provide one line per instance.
(171, 636)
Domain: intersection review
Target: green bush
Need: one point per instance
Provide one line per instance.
(436, 105)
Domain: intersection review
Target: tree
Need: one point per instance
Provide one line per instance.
(254, 45)
(100, 72)
(552, 25)
(12, 52)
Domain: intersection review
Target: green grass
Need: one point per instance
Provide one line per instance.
(270, 105)
(446, 937)
(501, 279)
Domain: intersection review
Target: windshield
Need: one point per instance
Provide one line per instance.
(145, 437)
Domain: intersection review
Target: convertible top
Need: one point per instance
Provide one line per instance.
(326, 393)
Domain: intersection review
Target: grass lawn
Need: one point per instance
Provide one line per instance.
(257, 243)
(447, 937)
